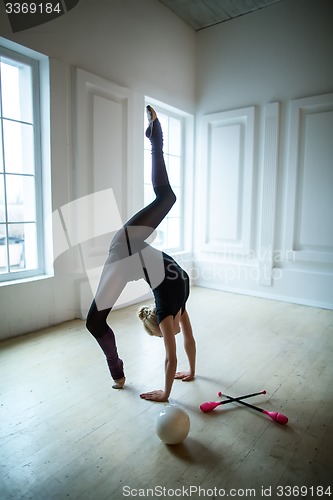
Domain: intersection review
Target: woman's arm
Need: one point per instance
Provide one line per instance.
(189, 346)
(167, 329)
(170, 359)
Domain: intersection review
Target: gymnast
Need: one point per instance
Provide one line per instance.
(131, 258)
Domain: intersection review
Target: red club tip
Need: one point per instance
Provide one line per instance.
(208, 406)
(282, 419)
(278, 417)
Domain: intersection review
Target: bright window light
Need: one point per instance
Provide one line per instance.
(20, 177)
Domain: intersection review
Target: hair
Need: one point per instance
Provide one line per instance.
(149, 321)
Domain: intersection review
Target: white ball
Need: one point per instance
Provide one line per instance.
(172, 424)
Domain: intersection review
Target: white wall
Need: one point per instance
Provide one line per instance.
(265, 137)
(141, 46)
(277, 54)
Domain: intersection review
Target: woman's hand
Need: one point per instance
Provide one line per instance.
(158, 396)
(184, 376)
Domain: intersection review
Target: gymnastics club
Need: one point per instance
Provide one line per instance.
(210, 405)
(278, 417)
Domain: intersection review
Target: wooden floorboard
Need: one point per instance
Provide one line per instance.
(65, 433)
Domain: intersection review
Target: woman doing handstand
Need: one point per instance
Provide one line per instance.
(131, 258)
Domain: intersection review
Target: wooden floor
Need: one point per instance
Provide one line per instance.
(65, 433)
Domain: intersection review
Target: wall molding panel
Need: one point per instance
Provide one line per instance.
(108, 169)
(104, 115)
(227, 168)
(309, 207)
(267, 231)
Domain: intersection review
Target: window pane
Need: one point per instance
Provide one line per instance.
(165, 127)
(1, 155)
(20, 198)
(173, 233)
(177, 207)
(161, 238)
(16, 247)
(3, 249)
(16, 90)
(22, 247)
(2, 200)
(174, 136)
(174, 164)
(149, 195)
(147, 170)
(19, 147)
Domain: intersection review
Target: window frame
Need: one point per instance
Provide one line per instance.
(35, 61)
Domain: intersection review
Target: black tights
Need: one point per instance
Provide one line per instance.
(116, 276)
(131, 235)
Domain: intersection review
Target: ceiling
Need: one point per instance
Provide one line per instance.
(200, 14)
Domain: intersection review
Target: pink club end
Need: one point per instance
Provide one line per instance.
(278, 417)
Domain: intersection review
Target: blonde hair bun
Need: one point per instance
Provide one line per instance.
(144, 313)
(149, 320)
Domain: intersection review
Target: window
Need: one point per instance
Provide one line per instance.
(170, 231)
(21, 224)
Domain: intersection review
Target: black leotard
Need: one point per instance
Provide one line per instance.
(171, 295)
(170, 284)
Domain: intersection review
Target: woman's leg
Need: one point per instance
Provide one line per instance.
(110, 287)
(137, 229)
(98, 327)
(142, 224)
